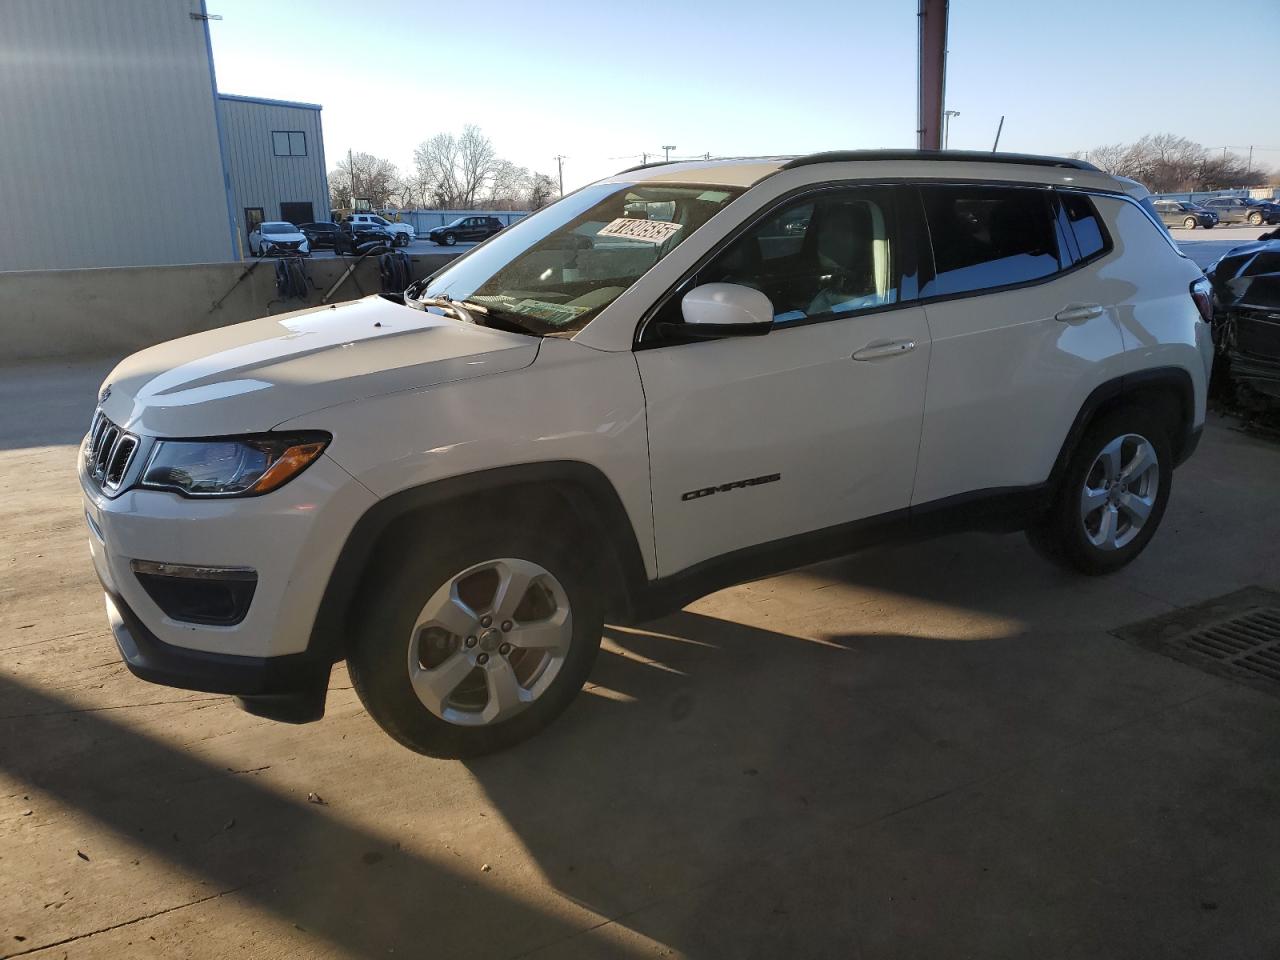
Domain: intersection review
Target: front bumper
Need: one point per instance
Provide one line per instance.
(290, 688)
(291, 537)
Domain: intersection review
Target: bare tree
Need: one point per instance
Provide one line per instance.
(509, 186)
(451, 171)
(1168, 163)
(363, 175)
(542, 191)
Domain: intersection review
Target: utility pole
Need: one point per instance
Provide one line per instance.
(351, 168)
(560, 159)
(1001, 127)
(932, 73)
(667, 150)
(946, 126)
(1249, 169)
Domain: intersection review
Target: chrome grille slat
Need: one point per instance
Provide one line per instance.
(109, 452)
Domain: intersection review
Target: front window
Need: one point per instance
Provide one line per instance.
(270, 228)
(553, 272)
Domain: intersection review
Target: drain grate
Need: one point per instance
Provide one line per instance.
(1250, 642)
(1236, 636)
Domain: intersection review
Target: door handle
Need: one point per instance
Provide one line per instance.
(1079, 312)
(885, 348)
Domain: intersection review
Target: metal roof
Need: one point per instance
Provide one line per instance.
(269, 102)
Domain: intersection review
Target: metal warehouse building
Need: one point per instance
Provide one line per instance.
(116, 149)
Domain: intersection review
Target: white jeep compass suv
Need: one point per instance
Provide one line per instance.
(679, 378)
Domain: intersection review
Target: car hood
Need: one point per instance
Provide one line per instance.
(253, 376)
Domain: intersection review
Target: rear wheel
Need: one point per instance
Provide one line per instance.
(1112, 495)
(473, 646)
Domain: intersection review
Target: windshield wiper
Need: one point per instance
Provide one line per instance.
(460, 309)
(463, 310)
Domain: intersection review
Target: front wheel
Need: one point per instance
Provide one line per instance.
(1112, 495)
(1189, 223)
(474, 644)
(1255, 219)
(450, 239)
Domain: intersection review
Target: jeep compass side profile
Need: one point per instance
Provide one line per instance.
(676, 379)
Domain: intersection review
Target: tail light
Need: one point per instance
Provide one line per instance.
(1202, 294)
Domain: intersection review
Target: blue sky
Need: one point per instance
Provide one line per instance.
(601, 81)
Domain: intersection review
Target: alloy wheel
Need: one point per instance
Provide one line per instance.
(1119, 492)
(490, 642)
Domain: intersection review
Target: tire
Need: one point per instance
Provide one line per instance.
(1189, 223)
(395, 636)
(450, 239)
(1069, 536)
(1255, 219)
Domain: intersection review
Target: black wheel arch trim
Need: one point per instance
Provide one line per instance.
(1118, 389)
(600, 509)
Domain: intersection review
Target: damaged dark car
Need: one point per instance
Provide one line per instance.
(1246, 294)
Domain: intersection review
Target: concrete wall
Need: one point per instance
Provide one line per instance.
(112, 312)
(109, 150)
(258, 177)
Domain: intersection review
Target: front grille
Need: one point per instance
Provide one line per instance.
(109, 452)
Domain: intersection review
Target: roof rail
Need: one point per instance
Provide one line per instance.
(645, 166)
(964, 156)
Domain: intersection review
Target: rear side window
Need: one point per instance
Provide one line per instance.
(985, 237)
(1085, 225)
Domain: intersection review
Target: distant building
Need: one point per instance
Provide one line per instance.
(274, 156)
(116, 149)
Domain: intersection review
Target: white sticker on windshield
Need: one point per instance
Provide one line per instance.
(648, 231)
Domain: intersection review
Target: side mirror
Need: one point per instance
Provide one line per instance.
(716, 310)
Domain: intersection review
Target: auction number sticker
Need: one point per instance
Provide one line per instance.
(647, 231)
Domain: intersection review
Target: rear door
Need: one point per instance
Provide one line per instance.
(1021, 332)
(757, 439)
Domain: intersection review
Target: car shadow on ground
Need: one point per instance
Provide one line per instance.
(714, 791)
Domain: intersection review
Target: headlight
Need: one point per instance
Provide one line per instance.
(231, 466)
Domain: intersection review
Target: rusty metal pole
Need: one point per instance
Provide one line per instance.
(933, 73)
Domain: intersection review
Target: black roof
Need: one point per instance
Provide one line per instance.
(960, 156)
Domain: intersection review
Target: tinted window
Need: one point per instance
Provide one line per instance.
(824, 257)
(1085, 224)
(987, 237)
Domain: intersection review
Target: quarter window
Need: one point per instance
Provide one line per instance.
(289, 143)
(825, 257)
(985, 237)
(1085, 225)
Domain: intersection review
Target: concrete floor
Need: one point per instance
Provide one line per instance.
(933, 750)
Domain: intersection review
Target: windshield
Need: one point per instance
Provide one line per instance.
(552, 272)
(278, 228)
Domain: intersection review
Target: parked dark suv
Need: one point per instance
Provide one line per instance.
(465, 228)
(1243, 210)
(1180, 213)
(323, 234)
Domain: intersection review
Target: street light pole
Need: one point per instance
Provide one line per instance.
(946, 126)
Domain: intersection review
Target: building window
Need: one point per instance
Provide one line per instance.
(289, 143)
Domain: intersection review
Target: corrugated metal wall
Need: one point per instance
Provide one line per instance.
(108, 136)
(259, 178)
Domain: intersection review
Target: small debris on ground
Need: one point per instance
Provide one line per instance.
(314, 797)
(485, 868)
(229, 824)
(27, 813)
(82, 855)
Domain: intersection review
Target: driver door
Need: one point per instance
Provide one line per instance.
(754, 440)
